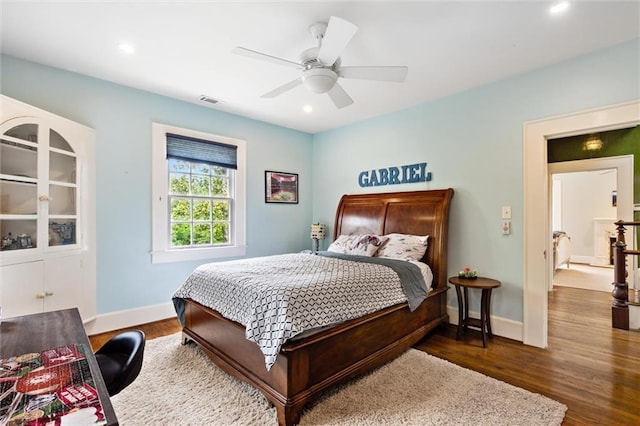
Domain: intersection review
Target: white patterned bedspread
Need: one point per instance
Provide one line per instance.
(278, 297)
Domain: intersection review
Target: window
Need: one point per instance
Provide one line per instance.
(199, 204)
(198, 195)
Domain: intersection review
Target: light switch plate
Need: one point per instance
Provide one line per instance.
(506, 212)
(506, 227)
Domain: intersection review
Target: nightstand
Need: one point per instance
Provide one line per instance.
(484, 323)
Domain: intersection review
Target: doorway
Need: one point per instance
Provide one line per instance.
(536, 274)
(608, 181)
(584, 226)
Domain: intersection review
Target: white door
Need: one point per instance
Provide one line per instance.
(63, 284)
(21, 291)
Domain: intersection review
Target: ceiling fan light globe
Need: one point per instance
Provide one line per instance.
(319, 80)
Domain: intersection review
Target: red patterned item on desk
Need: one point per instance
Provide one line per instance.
(54, 387)
(61, 355)
(76, 395)
(47, 380)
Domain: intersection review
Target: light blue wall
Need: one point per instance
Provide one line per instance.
(473, 142)
(122, 117)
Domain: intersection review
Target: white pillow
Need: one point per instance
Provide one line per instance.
(360, 244)
(404, 247)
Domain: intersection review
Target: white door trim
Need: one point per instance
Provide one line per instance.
(536, 200)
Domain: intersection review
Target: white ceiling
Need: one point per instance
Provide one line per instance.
(183, 49)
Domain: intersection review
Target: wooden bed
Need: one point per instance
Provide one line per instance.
(306, 366)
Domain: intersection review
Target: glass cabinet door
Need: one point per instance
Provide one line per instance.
(63, 208)
(38, 188)
(19, 151)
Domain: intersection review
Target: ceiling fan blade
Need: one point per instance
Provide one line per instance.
(339, 96)
(375, 73)
(264, 57)
(339, 33)
(280, 90)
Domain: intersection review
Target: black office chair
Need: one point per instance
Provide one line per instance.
(120, 360)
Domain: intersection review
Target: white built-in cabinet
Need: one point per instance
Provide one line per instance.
(47, 212)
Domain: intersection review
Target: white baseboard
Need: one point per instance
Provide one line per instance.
(499, 326)
(129, 318)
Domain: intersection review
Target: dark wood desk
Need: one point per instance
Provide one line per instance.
(484, 322)
(35, 333)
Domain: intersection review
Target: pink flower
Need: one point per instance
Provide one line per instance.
(467, 269)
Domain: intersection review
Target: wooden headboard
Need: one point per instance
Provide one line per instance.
(414, 212)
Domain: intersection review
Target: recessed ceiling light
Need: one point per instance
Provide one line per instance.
(126, 49)
(307, 108)
(559, 7)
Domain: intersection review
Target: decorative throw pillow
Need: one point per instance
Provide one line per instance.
(404, 247)
(360, 244)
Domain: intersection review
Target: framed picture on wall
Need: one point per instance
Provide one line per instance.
(281, 187)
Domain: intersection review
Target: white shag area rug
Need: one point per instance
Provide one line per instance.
(179, 385)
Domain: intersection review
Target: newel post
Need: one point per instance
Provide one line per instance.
(620, 292)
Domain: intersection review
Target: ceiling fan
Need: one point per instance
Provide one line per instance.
(321, 66)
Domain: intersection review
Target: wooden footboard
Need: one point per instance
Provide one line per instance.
(307, 366)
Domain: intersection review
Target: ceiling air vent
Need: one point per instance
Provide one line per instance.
(206, 98)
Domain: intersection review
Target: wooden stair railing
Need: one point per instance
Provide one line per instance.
(620, 292)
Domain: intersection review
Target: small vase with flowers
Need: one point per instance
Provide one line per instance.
(468, 273)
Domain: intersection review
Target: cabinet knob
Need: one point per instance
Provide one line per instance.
(41, 295)
(48, 293)
(45, 198)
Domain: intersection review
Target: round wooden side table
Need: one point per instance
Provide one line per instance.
(484, 323)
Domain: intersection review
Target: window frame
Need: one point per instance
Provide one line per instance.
(162, 252)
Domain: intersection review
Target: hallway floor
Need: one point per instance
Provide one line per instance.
(586, 277)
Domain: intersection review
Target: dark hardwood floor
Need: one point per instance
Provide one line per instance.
(588, 366)
(151, 331)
